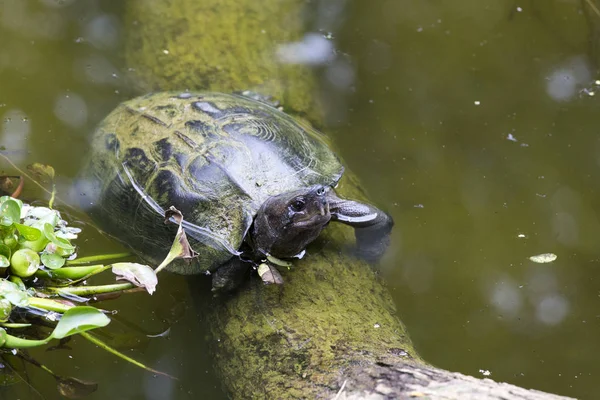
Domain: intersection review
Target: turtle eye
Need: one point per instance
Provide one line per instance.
(298, 204)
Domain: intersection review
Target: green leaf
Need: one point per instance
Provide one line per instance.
(4, 263)
(59, 242)
(73, 273)
(181, 247)
(29, 232)
(10, 212)
(5, 250)
(52, 261)
(5, 198)
(43, 172)
(277, 261)
(73, 388)
(11, 292)
(41, 215)
(14, 326)
(79, 319)
(18, 281)
(5, 310)
(24, 262)
(138, 274)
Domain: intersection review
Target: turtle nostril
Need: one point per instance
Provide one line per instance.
(320, 191)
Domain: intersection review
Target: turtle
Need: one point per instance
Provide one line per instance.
(251, 182)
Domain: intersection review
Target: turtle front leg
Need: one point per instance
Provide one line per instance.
(372, 226)
(230, 275)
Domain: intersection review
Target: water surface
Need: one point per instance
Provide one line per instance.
(474, 123)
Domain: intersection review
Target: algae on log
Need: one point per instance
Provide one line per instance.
(225, 45)
(332, 326)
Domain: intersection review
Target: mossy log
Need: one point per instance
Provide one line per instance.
(332, 329)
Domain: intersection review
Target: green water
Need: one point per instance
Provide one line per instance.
(472, 122)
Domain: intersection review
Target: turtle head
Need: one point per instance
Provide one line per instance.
(285, 224)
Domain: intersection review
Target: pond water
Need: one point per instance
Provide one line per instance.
(474, 123)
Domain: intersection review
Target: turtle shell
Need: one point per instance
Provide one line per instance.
(215, 157)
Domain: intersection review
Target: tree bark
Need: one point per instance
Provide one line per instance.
(331, 331)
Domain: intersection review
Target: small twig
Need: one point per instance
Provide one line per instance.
(337, 396)
(104, 346)
(24, 379)
(19, 188)
(593, 7)
(23, 173)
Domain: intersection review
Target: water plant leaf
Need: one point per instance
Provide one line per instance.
(73, 388)
(181, 247)
(138, 274)
(52, 261)
(24, 262)
(180, 243)
(59, 242)
(10, 212)
(269, 274)
(5, 310)
(79, 319)
(41, 215)
(543, 258)
(4, 263)
(278, 261)
(43, 172)
(11, 292)
(28, 232)
(5, 250)
(5, 198)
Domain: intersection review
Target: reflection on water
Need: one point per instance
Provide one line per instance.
(475, 123)
(313, 49)
(481, 121)
(568, 80)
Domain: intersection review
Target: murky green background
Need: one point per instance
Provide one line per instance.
(473, 122)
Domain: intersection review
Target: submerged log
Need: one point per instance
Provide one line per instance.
(331, 331)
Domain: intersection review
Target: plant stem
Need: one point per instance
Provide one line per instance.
(48, 304)
(14, 325)
(593, 7)
(19, 188)
(18, 281)
(92, 290)
(51, 202)
(14, 342)
(99, 257)
(106, 347)
(74, 273)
